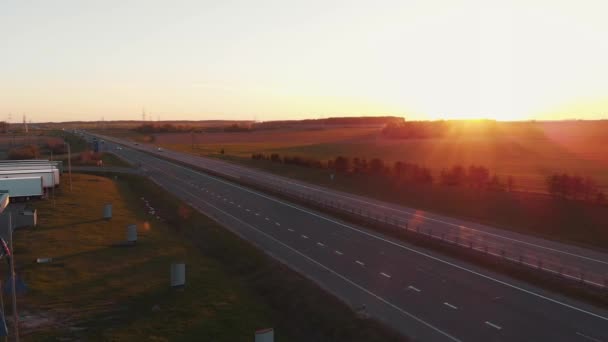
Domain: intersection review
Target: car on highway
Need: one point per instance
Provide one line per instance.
(159, 149)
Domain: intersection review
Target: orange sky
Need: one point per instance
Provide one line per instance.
(424, 59)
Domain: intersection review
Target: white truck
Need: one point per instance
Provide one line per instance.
(30, 162)
(22, 188)
(50, 177)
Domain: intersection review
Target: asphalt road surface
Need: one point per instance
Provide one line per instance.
(425, 295)
(570, 261)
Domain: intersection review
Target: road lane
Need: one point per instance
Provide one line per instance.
(572, 261)
(523, 315)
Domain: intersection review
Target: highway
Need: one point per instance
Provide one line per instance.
(571, 262)
(426, 296)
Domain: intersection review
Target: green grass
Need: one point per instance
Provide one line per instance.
(232, 288)
(110, 159)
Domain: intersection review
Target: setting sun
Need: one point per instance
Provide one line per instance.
(511, 60)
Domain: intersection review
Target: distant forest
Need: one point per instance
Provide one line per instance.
(234, 127)
(336, 121)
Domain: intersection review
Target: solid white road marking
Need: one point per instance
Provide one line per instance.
(384, 274)
(385, 240)
(304, 236)
(339, 253)
(497, 327)
(450, 305)
(359, 262)
(588, 337)
(320, 244)
(413, 288)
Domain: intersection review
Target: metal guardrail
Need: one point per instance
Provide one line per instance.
(472, 243)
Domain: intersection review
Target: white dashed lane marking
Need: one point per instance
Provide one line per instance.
(450, 305)
(497, 327)
(588, 337)
(413, 288)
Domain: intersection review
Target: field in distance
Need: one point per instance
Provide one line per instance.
(528, 152)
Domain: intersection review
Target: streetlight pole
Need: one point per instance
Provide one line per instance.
(13, 290)
(70, 164)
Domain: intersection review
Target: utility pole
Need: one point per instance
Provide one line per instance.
(13, 290)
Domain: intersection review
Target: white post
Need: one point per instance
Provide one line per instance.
(132, 234)
(264, 335)
(178, 275)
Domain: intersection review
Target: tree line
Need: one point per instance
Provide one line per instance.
(574, 187)
(442, 128)
(473, 176)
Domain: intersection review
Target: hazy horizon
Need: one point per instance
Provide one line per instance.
(279, 60)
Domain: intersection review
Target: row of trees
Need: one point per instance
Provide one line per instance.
(474, 176)
(24, 152)
(290, 160)
(574, 187)
(442, 128)
(416, 129)
(162, 128)
(152, 128)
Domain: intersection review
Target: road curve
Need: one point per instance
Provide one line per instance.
(572, 262)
